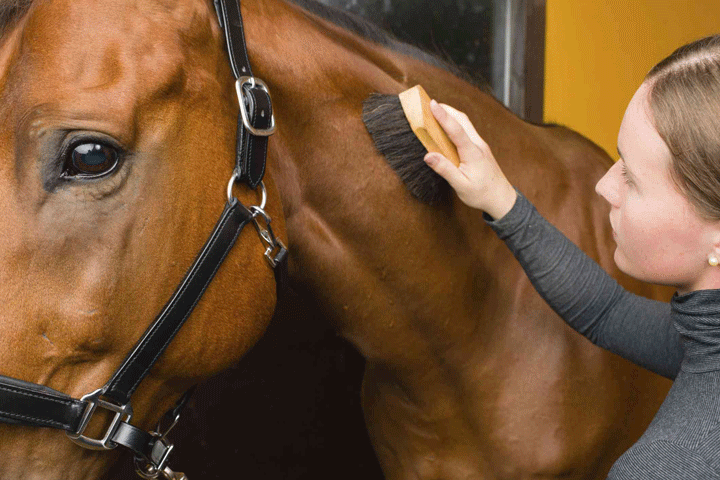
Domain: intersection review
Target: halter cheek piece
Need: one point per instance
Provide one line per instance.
(30, 404)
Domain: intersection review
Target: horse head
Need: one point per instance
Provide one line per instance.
(117, 139)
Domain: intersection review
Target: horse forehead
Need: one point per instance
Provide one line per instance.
(88, 44)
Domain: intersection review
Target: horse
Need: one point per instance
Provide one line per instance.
(117, 142)
(468, 373)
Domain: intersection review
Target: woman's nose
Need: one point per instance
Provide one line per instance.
(609, 185)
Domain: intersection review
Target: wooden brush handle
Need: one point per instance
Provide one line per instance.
(416, 105)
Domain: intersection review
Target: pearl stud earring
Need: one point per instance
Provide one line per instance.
(713, 260)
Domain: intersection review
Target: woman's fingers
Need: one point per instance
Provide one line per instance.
(452, 127)
(464, 122)
(478, 182)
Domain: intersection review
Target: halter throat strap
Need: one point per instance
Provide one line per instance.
(256, 120)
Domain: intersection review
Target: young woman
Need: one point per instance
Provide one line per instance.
(664, 194)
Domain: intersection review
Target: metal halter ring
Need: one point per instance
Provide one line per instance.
(236, 178)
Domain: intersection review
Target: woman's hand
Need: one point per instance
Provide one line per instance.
(478, 181)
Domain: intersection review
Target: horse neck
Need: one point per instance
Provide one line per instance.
(375, 259)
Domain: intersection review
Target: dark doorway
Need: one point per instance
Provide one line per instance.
(501, 42)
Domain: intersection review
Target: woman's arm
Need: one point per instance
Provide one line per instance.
(586, 297)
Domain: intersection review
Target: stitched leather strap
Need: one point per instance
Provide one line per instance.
(145, 446)
(161, 332)
(251, 150)
(230, 19)
(139, 441)
(28, 404)
(38, 406)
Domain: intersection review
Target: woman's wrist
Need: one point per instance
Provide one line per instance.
(504, 202)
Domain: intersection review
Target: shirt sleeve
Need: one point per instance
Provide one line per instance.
(586, 297)
(662, 460)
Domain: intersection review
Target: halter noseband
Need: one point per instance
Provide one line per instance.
(30, 404)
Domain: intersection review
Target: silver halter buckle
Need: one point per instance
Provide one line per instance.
(253, 82)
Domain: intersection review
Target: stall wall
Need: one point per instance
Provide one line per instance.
(598, 52)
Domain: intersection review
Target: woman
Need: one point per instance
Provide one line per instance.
(664, 194)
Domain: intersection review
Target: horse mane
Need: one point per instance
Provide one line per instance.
(11, 11)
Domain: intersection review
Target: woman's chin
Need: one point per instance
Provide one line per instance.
(626, 267)
(620, 261)
(643, 274)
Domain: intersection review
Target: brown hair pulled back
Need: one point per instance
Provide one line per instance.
(685, 104)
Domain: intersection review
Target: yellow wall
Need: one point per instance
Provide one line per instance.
(598, 52)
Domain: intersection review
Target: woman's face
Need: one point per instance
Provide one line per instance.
(660, 238)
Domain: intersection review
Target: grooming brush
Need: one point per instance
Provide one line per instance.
(404, 130)
(415, 103)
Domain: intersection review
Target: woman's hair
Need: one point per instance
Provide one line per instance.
(685, 104)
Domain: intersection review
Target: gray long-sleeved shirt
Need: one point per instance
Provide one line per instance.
(680, 341)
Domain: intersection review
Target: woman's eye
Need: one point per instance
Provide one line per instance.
(90, 160)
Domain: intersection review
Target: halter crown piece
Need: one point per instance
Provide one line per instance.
(30, 404)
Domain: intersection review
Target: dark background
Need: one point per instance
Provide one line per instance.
(289, 411)
(458, 30)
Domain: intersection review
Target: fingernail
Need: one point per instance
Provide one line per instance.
(431, 159)
(433, 103)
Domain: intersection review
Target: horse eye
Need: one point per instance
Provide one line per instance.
(89, 160)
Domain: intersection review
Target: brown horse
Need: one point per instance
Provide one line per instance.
(87, 262)
(469, 374)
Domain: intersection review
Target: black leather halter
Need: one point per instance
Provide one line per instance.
(30, 404)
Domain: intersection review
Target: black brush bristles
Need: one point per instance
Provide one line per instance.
(385, 120)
